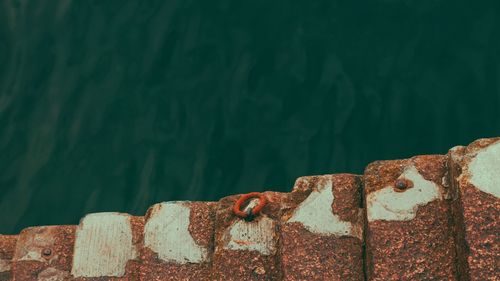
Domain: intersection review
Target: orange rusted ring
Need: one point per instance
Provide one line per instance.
(254, 211)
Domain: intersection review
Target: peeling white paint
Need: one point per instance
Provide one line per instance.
(52, 274)
(32, 256)
(484, 170)
(316, 214)
(257, 235)
(32, 241)
(390, 205)
(103, 245)
(4, 265)
(167, 233)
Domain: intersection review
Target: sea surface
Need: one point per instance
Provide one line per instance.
(117, 105)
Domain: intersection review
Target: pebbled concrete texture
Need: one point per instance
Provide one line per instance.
(476, 185)
(321, 238)
(392, 205)
(247, 250)
(429, 217)
(408, 232)
(7, 248)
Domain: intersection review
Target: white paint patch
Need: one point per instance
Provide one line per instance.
(103, 245)
(387, 204)
(167, 233)
(4, 265)
(484, 170)
(316, 214)
(257, 235)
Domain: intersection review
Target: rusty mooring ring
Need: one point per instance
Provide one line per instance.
(254, 211)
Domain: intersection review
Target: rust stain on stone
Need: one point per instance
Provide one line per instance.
(423, 240)
(477, 208)
(347, 194)
(327, 254)
(430, 217)
(7, 248)
(256, 258)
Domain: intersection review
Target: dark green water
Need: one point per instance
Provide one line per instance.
(116, 105)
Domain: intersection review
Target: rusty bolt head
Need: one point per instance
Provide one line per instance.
(402, 184)
(46, 252)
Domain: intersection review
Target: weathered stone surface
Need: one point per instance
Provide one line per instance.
(7, 248)
(44, 253)
(409, 234)
(476, 191)
(107, 247)
(321, 236)
(178, 239)
(246, 250)
(425, 218)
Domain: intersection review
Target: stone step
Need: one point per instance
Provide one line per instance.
(475, 173)
(108, 245)
(44, 253)
(408, 212)
(431, 217)
(178, 241)
(247, 250)
(322, 233)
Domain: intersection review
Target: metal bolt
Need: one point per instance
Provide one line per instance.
(402, 184)
(46, 252)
